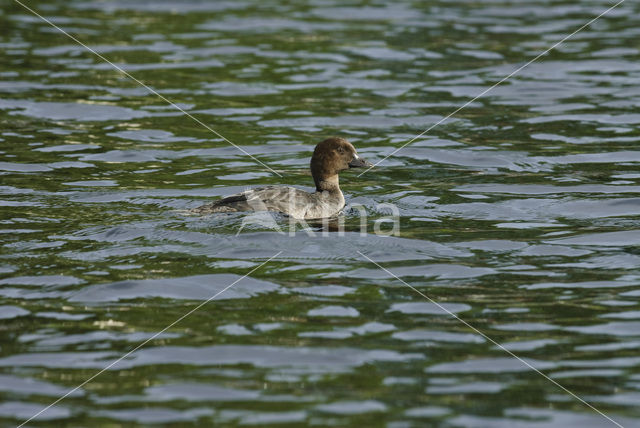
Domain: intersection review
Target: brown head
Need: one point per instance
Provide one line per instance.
(329, 158)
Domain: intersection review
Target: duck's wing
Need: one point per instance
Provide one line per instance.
(287, 200)
(233, 203)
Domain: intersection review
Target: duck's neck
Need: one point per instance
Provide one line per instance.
(329, 184)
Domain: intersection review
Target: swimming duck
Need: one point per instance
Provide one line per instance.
(329, 158)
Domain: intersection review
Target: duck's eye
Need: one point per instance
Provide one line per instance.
(340, 150)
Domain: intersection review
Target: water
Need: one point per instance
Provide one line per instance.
(520, 215)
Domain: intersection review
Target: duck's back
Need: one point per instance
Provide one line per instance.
(288, 200)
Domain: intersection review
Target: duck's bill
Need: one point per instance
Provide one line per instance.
(358, 162)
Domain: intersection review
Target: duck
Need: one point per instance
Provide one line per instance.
(330, 157)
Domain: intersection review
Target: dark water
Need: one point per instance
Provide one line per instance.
(521, 214)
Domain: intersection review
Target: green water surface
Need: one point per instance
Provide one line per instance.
(520, 214)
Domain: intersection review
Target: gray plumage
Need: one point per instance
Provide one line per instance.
(329, 158)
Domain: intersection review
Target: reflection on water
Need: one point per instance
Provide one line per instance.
(521, 214)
